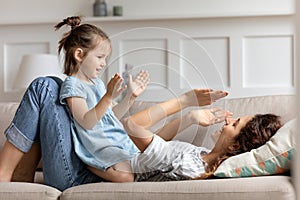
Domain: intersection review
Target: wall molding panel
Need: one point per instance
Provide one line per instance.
(246, 56)
(277, 62)
(209, 66)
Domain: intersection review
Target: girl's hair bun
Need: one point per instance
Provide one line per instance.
(73, 21)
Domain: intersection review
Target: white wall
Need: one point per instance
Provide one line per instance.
(15, 10)
(243, 46)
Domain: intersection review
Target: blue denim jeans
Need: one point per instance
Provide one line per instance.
(41, 118)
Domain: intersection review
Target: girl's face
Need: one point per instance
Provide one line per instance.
(230, 131)
(95, 61)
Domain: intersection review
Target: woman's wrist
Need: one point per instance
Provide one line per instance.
(130, 97)
(183, 101)
(127, 101)
(191, 117)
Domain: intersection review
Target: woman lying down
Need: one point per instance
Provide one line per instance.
(162, 159)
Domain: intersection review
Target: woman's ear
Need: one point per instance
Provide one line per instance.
(234, 147)
(78, 55)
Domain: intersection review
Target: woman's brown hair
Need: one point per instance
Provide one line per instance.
(255, 134)
(85, 36)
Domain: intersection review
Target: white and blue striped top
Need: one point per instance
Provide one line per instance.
(169, 160)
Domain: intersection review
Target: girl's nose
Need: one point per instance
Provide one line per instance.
(103, 63)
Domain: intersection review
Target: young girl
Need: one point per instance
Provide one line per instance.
(99, 138)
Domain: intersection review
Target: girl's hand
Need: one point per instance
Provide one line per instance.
(139, 84)
(114, 86)
(206, 117)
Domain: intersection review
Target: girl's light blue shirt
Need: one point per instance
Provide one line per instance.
(106, 143)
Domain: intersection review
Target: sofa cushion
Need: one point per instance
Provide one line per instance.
(28, 191)
(274, 157)
(258, 188)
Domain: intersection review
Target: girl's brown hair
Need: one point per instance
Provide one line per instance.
(255, 134)
(85, 36)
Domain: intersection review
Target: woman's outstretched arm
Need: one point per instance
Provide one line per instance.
(197, 97)
(202, 117)
(138, 124)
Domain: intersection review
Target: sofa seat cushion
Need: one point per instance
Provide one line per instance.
(258, 188)
(28, 191)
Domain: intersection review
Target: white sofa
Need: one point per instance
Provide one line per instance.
(275, 187)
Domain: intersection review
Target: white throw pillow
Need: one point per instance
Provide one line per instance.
(274, 157)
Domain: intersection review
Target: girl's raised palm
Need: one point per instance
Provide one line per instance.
(139, 84)
(114, 87)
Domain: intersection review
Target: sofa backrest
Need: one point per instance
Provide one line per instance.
(7, 112)
(283, 105)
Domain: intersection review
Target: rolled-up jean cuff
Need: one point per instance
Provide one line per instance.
(17, 138)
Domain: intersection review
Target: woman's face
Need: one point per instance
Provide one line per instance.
(230, 131)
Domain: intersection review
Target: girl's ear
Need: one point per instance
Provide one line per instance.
(78, 55)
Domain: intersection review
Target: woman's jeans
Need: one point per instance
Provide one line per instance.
(41, 118)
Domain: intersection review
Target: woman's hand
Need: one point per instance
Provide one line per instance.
(114, 86)
(206, 117)
(139, 84)
(202, 97)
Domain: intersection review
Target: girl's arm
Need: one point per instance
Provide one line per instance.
(88, 118)
(135, 88)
